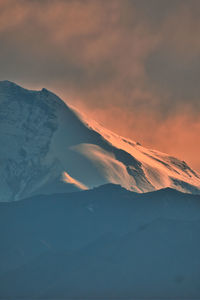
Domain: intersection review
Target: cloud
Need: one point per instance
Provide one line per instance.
(132, 64)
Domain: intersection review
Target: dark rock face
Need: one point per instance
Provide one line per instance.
(28, 122)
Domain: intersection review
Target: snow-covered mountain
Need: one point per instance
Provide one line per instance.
(48, 147)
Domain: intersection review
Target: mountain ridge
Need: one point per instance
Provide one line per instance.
(136, 245)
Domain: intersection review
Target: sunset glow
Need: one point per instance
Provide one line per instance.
(132, 65)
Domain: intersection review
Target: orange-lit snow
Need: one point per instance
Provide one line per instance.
(158, 167)
(68, 179)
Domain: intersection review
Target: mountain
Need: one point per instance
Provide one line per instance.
(104, 243)
(48, 147)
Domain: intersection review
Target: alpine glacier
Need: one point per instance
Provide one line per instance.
(49, 147)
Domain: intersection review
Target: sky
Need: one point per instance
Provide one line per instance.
(132, 65)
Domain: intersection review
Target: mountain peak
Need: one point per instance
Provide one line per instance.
(8, 84)
(12, 91)
(110, 188)
(43, 90)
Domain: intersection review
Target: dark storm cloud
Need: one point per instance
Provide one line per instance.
(173, 74)
(134, 61)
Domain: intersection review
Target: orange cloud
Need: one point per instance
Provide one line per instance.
(132, 64)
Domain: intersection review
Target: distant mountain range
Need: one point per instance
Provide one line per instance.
(48, 147)
(105, 243)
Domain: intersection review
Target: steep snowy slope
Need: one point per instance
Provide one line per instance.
(48, 147)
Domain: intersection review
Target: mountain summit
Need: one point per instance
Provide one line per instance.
(48, 147)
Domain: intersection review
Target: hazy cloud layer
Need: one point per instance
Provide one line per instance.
(134, 65)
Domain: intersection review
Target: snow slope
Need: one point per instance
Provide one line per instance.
(48, 147)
